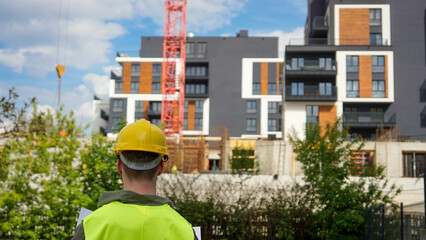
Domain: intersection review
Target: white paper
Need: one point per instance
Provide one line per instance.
(197, 231)
(84, 212)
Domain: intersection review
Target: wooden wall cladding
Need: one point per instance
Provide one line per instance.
(127, 71)
(354, 26)
(264, 78)
(365, 77)
(145, 78)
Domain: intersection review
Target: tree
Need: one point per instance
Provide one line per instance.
(340, 203)
(121, 123)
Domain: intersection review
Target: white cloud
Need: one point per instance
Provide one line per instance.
(283, 37)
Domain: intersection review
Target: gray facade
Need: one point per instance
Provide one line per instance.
(224, 60)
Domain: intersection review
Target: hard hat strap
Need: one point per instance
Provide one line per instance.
(141, 165)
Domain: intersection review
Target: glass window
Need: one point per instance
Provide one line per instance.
(195, 89)
(378, 64)
(325, 63)
(135, 69)
(272, 88)
(138, 106)
(297, 63)
(352, 88)
(117, 105)
(251, 106)
(198, 123)
(185, 124)
(272, 107)
(199, 106)
(272, 124)
(156, 69)
(155, 121)
(134, 87)
(378, 88)
(376, 39)
(196, 71)
(351, 63)
(190, 50)
(375, 17)
(297, 88)
(155, 107)
(312, 113)
(156, 87)
(118, 87)
(185, 108)
(115, 122)
(413, 164)
(256, 88)
(325, 89)
(202, 50)
(251, 125)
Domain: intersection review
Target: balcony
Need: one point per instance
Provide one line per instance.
(312, 67)
(104, 115)
(128, 54)
(153, 112)
(319, 26)
(311, 93)
(367, 119)
(332, 42)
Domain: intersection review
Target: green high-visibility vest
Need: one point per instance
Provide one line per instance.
(117, 220)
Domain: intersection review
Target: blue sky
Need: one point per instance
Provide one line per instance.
(85, 34)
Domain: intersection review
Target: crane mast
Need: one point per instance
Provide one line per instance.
(173, 70)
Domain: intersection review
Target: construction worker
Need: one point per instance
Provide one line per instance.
(136, 212)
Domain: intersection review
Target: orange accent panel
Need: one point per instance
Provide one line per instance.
(278, 79)
(386, 76)
(191, 115)
(127, 71)
(145, 78)
(327, 114)
(145, 109)
(264, 78)
(354, 26)
(365, 77)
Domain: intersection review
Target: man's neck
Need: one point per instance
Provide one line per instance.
(141, 187)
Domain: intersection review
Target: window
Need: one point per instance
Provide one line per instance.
(352, 88)
(378, 64)
(350, 114)
(351, 63)
(376, 39)
(134, 87)
(185, 124)
(138, 106)
(155, 107)
(199, 106)
(312, 113)
(155, 121)
(297, 88)
(195, 89)
(196, 71)
(378, 89)
(272, 88)
(198, 123)
(156, 87)
(190, 50)
(325, 89)
(272, 107)
(115, 123)
(201, 50)
(251, 125)
(272, 124)
(156, 69)
(185, 108)
(214, 165)
(251, 106)
(413, 164)
(135, 69)
(118, 87)
(117, 105)
(297, 63)
(256, 88)
(325, 63)
(377, 115)
(375, 17)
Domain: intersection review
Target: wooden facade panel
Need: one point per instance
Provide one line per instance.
(264, 78)
(145, 109)
(191, 114)
(354, 26)
(386, 77)
(145, 78)
(127, 76)
(365, 77)
(327, 114)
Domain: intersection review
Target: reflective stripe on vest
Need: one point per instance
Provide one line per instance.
(117, 220)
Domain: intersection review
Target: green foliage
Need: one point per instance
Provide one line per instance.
(340, 203)
(242, 160)
(121, 123)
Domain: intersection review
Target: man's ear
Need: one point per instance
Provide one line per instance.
(160, 168)
(119, 166)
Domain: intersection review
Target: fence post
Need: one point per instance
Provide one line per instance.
(383, 222)
(402, 221)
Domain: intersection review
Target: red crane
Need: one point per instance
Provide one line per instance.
(174, 53)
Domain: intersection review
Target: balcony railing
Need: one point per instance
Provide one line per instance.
(367, 119)
(332, 42)
(311, 93)
(128, 53)
(319, 23)
(312, 66)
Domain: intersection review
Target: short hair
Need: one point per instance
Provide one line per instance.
(140, 157)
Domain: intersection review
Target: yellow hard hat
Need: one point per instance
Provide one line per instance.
(141, 136)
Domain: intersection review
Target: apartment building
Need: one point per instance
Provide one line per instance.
(363, 61)
(231, 82)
